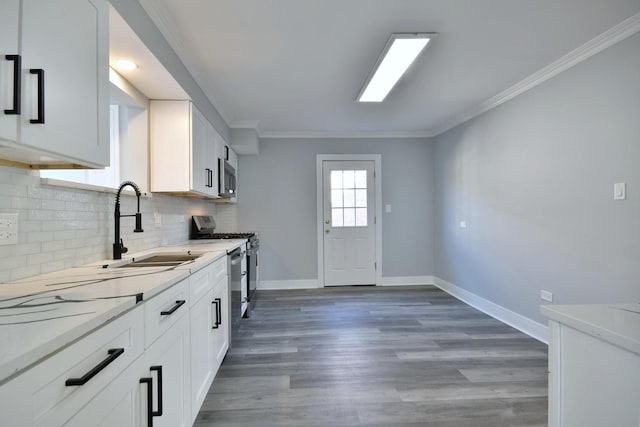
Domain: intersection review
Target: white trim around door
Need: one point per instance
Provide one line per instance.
(377, 160)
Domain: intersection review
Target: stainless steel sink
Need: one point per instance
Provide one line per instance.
(159, 260)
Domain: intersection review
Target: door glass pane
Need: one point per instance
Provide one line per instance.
(349, 217)
(336, 179)
(336, 198)
(361, 198)
(336, 218)
(361, 179)
(349, 191)
(348, 179)
(361, 217)
(349, 198)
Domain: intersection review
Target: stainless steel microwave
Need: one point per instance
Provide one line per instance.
(226, 179)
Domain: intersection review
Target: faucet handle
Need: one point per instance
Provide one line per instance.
(123, 250)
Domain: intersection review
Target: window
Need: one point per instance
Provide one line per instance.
(349, 198)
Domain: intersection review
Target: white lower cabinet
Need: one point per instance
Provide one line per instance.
(53, 391)
(153, 391)
(209, 332)
(152, 366)
(592, 382)
(209, 338)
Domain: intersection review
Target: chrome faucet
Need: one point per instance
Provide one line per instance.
(118, 246)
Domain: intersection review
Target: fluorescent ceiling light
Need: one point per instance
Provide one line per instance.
(398, 54)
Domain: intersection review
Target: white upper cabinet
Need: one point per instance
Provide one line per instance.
(183, 150)
(9, 17)
(63, 82)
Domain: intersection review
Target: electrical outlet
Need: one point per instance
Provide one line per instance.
(157, 219)
(546, 295)
(8, 228)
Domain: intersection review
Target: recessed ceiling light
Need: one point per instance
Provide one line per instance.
(126, 65)
(398, 54)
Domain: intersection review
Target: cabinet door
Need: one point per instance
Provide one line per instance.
(8, 46)
(202, 354)
(212, 159)
(68, 39)
(167, 365)
(221, 335)
(201, 174)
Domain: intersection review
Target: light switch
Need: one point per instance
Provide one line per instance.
(619, 191)
(463, 224)
(387, 208)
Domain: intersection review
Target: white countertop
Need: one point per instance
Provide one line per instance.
(618, 324)
(41, 314)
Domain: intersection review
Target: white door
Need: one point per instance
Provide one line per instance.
(9, 18)
(349, 222)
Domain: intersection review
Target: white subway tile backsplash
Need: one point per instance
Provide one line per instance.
(62, 227)
(20, 272)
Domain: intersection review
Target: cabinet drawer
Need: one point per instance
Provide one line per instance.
(203, 280)
(219, 269)
(45, 395)
(164, 310)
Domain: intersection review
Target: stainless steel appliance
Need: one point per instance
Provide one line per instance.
(226, 177)
(243, 286)
(237, 270)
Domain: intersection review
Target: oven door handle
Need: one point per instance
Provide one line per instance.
(237, 259)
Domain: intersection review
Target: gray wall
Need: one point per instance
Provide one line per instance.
(534, 181)
(277, 196)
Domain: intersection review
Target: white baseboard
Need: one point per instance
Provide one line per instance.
(407, 281)
(287, 284)
(511, 318)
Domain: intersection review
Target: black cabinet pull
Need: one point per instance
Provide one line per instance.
(148, 381)
(207, 172)
(216, 324)
(40, 73)
(17, 72)
(226, 152)
(172, 310)
(158, 369)
(114, 353)
(219, 311)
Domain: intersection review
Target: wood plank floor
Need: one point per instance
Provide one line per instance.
(377, 356)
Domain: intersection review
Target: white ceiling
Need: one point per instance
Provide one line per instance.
(296, 66)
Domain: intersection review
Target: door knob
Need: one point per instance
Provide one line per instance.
(326, 221)
(327, 231)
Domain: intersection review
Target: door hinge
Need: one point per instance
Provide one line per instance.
(375, 265)
(375, 220)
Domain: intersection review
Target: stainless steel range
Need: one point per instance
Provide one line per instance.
(243, 265)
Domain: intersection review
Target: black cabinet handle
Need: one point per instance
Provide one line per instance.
(216, 302)
(158, 369)
(148, 381)
(173, 309)
(40, 73)
(17, 72)
(226, 152)
(207, 172)
(114, 353)
(219, 311)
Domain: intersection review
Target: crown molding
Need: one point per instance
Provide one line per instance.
(623, 30)
(345, 135)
